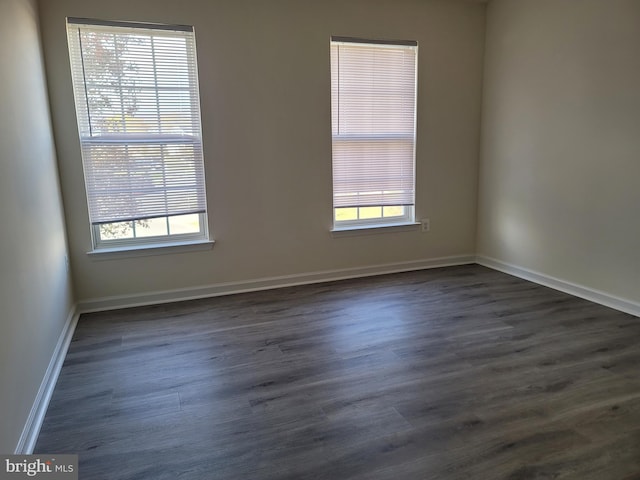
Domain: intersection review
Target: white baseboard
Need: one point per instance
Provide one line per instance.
(32, 427)
(31, 430)
(218, 289)
(596, 296)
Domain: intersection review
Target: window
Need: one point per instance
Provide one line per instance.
(373, 120)
(138, 111)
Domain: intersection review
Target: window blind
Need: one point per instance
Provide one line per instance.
(373, 107)
(138, 112)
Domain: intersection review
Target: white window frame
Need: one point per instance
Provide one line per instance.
(87, 140)
(175, 238)
(408, 218)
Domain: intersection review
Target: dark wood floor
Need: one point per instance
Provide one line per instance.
(456, 373)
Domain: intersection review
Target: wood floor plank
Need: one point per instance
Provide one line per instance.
(453, 373)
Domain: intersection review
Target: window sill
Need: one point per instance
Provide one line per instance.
(355, 230)
(151, 249)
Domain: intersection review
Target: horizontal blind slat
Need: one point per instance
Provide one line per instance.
(138, 115)
(373, 108)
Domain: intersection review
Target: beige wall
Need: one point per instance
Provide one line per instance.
(560, 156)
(35, 291)
(264, 79)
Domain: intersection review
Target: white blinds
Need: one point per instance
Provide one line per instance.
(138, 111)
(373, 107)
